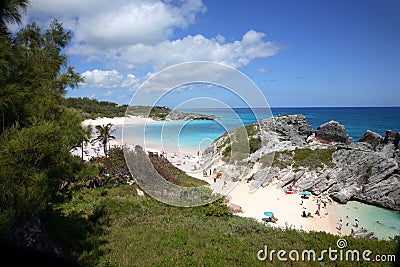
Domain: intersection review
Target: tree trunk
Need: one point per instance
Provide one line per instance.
(82, 151)
(105, 149)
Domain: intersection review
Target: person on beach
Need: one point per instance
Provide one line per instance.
(356, 222)
(224, 185)
(340, 224)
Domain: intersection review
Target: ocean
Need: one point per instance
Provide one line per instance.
(194, 136)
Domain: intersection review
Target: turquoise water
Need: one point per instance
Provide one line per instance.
(368, 215)
(198, 135)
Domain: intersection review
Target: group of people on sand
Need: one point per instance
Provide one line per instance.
(340, 224)
(272, 219)
(318, 211)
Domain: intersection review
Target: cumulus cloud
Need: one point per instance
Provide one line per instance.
(190, 48)
(108, 79)
(112, 24)
(128, 36)
(108, 93)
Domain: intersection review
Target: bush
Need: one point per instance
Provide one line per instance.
(217, 209)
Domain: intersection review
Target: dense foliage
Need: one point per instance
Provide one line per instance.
(92, 108)
(37, 132)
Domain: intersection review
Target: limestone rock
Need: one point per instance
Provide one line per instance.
(366, 171)
(371, 138)
(333, 131)
(186, 116)
(364, 233)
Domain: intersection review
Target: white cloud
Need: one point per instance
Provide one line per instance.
(263, 70)
(108, 79)
(112, 24)
(108, 93)
(190, 48)
(127, 36)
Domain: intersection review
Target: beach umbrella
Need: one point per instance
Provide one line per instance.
(268, 213)
(306, 193)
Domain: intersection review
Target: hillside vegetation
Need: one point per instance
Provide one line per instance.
(92, 108)
(115, 227)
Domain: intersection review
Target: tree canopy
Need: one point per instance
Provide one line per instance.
(37, 131)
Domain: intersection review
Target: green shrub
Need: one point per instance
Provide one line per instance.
(317, 158)
(254, 144)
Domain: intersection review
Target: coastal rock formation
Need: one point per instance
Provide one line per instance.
(332, 131)
(325, 162)
(292, 127)
(186, 116)
(364, 233)
(372, 138)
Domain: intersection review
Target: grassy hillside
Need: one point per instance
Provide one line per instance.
(92, 108)
(116, 227)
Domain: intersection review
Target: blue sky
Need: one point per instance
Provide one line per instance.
(299, 53)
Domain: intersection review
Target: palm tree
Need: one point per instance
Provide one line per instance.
(11, 11)
(104, 135)
(87, 133)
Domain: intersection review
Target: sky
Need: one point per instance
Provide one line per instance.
(298, 53)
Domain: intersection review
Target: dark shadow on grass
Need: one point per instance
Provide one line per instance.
(79, 237)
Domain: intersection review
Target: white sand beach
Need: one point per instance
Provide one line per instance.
(118, 121)
(287, 208)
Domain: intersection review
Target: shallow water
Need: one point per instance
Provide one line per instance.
(368, 215)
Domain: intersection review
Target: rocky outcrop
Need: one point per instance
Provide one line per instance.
(293, 128)
(186, 116)
(333, 131)
(371, 138)
(366, 171)
(363, 234)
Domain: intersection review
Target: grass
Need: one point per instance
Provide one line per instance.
(302, 157)
(174, 174)
(317, 158)
(242, 142)
(116, 227)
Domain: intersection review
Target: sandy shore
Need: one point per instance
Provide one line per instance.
(117, 121)
(287, 208)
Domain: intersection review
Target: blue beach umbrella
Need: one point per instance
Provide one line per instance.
(268, 213)
(306, 193)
